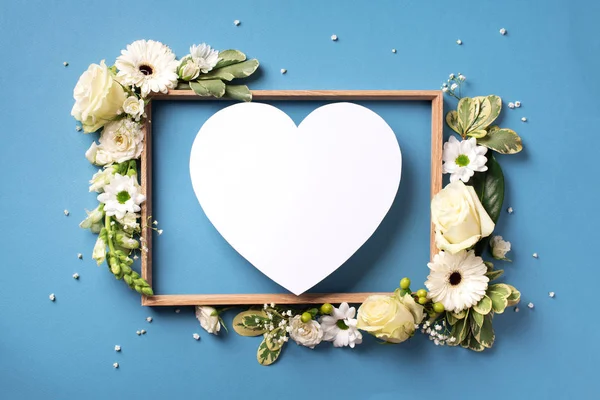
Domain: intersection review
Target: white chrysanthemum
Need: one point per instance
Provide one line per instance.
(205, 57)
(149, 65)
(462, 159)
(458, 280)
(121, 196)
(340, 327)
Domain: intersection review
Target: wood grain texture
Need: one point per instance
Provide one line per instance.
(437, 111)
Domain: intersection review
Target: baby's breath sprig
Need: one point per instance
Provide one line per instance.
(453, 86)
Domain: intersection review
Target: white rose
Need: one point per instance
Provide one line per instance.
(99, 252)
(209, 319)
(189, 69)
(307, 334)
(98, 97)
(499, 248)
(120, 141)
(101, 178)
(390, 318)
(134, 107)
(459, 218)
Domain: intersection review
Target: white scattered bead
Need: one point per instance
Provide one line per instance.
(283, 71)
(116, 365)
(143, 331)
(516, 309)
(65, 63)
(75, 275)
(511, 105)
(394, 51)
(524, 119)
(78, 128)
(66, 213)
(503, 31)
(177, 311)
(237, 22)
(530, 305)
(138, 333)
(196, 336)
(517, 104)
(52, 297)
(551, 294)
(510, 210)
(117, 348)
(535, 255)
(80, 256)
(334, 37)
(459, 42)
(149, 319)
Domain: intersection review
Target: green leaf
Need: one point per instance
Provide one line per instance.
(477, 319)
(183, 86)
(479, 133)
(499, 294)
(486, 335)
(229, 57)
(245, 323)
(484, 306)
(489, 186)
(502, 140)
(274, 345)
(239, 70)
(459, 315)
(468, 110)
(474, 345)
(492, 275)
(213, 87)
(451, 319)
(452, 121)
(265, 356)
(461, 329)
(515, 296)
(238, 92)
(489, 110)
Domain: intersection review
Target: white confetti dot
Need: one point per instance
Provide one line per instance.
(524, 119)
(149, 319)
(65, 63)
(530, 305)
(517, 104)
(52, 297)
(75, 275)
(503, 31)
(237, 22)
(143, 331)
(459, 42)
(535, 255)
(551, 294)
(516, 309)
(510, 210)
(511, 105)
(334, 37)
(196, 336)
(138, 333)
(116, 365)
(78, 128)
(117, 348)
(177, 311)
(283, 70)
(80, 256)
(394, 51)
(66, 213)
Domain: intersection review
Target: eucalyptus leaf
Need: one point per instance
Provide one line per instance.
(265, 356)
(245, 323)
(484, 306)
(229, 57)
(238, 92)
(502, 140)
(490, 107)
(214, 87)
(467, 110)
(239, 70)
(452, 121)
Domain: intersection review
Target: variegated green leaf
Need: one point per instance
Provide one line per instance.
(452, 121)
(499, 293)
(475, 345)
(502, 140)
(461, 329)
(515, 296)
(213, 87)
(484, 306)
(245, 323)
(467, 110)
(492, 275)
(239, 70)
(489, 110)
(459, 315)
(476, 318)
(238, 92)
(272, 339)
(479, 133)
(486, 335)
(229, 57)
(451, 319)
(265, 356)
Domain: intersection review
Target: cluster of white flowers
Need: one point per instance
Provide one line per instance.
(202, 59)
(454, 84)
(438, 332)
(120, 141)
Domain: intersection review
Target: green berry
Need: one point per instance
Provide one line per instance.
(422, 300)
(404, 283)
(326, 309)
(421, 293)
(306, 317)
(438, 307)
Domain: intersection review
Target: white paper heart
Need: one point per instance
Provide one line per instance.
(296, 202)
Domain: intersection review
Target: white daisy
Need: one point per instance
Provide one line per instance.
(149, 65)
(458, 280)
(205, 57)
(340, 327)
(462, 159)
(121, 196)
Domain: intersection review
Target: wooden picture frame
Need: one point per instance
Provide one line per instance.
(437, 111)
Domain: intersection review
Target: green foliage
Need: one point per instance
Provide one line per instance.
(238, 92)
(245, 323)
(502, 140)
(489, 186)
(515, 296)
(499, 294)
(213, 87)
(484, 306)
(265, 355)
(229, 57)
(240, 70)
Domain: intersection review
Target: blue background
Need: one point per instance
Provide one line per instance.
(64, 350)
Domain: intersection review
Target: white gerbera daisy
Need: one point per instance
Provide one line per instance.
(458, 280)
(205, 57)
(462, 159)
(121, 196)
(149, 65)
(340, 327)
